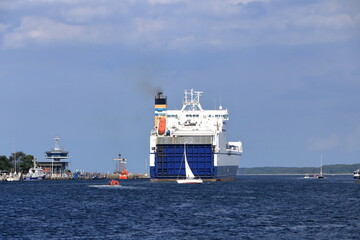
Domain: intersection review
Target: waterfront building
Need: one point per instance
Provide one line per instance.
(56, 155)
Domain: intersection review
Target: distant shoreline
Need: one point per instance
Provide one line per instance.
(292, 174)
(336, 169)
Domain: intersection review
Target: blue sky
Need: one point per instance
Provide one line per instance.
(288, 71)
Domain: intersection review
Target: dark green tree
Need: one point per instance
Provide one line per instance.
(21, 161)
(26, 163)
(5, 163)
(15, 159)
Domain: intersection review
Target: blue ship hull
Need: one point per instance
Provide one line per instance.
(33, 178)
(169, 163)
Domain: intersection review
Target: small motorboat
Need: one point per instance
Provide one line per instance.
(35, 173)
(114, 183)
(357, 174)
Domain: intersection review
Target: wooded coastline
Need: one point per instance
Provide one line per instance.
(342, 169)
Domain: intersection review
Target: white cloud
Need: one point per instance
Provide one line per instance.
(336, 21)
(3, 27)
(22, 4)
(183, 41)
(163, 1)
(246, 1)
(41, 30)
(187, 25)
(220, 1)
(324, 143)
(348, 141)
(353, 140)
(84, 14)
(148, 25)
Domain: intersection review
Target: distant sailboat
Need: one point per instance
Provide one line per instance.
(321, 171)
(307, 176)
(190, 177)
(13, 176)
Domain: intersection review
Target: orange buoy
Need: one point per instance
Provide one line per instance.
(162, 126)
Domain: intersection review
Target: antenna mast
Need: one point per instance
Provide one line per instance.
(192, 99)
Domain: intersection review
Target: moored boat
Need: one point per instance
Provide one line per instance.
(35, 173)
(12, 177)
(357, 174)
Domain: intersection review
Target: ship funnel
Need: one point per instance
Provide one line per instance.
(160, 113)
(160, 98)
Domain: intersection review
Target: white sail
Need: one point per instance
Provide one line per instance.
(321, 163)
(189, 174)
(190, 177)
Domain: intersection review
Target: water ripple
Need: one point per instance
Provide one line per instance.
(271, 207)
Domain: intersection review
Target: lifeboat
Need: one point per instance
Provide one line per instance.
(162, 126)
(114, 183)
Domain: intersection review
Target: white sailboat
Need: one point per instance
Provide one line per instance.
(321, 171)
(190, 177)
(307, 176)
(12, 177)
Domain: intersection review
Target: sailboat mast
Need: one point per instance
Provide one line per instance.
(15, 155)
(321, 163)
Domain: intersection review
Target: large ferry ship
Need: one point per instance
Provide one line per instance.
(198, 133)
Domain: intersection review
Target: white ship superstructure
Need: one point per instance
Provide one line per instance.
(201, 132)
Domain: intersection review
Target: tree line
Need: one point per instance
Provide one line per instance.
(327, 169)
(19, 162)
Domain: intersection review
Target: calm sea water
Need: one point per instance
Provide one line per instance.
(252, 207)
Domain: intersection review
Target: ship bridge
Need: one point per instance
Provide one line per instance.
(192, 119)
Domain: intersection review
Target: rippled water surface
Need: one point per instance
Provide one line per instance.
(252, 207)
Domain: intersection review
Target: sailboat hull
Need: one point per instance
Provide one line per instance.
(189, 181)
